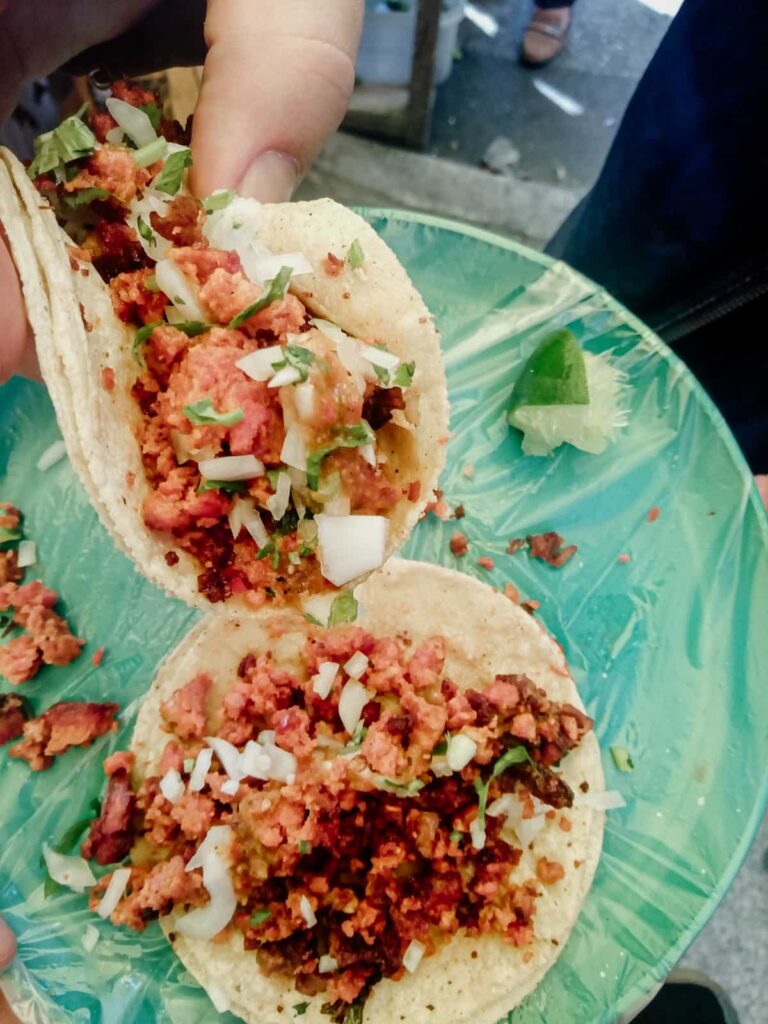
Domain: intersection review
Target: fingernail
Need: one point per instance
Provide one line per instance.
(7, 944)
(271, 178)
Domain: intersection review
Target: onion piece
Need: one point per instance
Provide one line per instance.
(219, 227)
(379, 357)
(282, 764)
(172, 786)
(329, 329)
(259, 365)
(134, 122)
(201, 769)
(610, 800)
(263, 265)
(338, 506)
(327, 964)
(26, 554)
(73, 872)
(228, 754)
(304, 400)
(477, 832)
(356, 665)
(172, 280)
(319, 606)
(206, 922)
(53, 453)
(322, 682)
(255, 527)
(90, 938)
(528, 828)
(353, 699)
(350, 546)
(150, 202)
(230, 468)
(219, 836)
(305, 907)
(283, 377)
(115, 136)
(413, 955)
(114, 893)
(255, 762)
(277, 503)
(461, 750)
(230, 787)
(294, 450)
(368, 452)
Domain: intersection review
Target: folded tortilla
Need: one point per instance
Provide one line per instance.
(79, 336)
(477, 979)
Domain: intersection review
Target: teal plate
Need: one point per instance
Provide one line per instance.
(668, 648)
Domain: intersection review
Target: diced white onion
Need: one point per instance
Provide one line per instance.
(117, 886)
(307, 912)
(267, 737)
(610, 800)
(319, 607)
(218, 997)
(477, 832)
(201, 769)
(172, 280)
(115, 136)
(294, 450)
(356, 665)
(413, 955)
(220, 230)
(287, 375)
(255, 762)
(53, 453)
(353, 699)
(282, 764)
(253, 524)
(339, 506)
(348, 351)
(230, 787)
(277, 503)
(230, 468)
(89, 938)
(259, 365)
(189, 764)
(379, 357)
(461, 750)
(134, 122)
(368, 452)
(304, 399)
(217, 837)
(528, 828)
(26, 554)
(150, 202)
(327, 964)
(322, 682)
(507, 805)
(206, 922)
(172, 786)
(235, 517)
(228, 754)
(262, 265)
(73, 872)
(330, 330)
(350, 545)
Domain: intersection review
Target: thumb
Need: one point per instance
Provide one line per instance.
(7, 944)
(276, 83)
(17, 353)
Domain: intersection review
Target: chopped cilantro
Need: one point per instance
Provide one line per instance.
(441, 749)
(178, 301)
(169, 179)
(192, 328)
(276, 558)
(154, 113)
(298, 357)
(355, 255)
(300, 1009)
(288, 523)
(6, 535)
(515, 755)
(343, 609)
(308, 548)
(304, 846)
(268, 549)
(83, 197)
(218, 200)
(141, 336)
(350, 437)
(228, 486)
(261, 915)
(399, 788)
(151, 153)
(404, 375)
(202, 413)
(72, 140)
(294, 558)
(275, 291)
(150, 283)
(312, 620)
(455, 837)
(360, 733)
(146, 231)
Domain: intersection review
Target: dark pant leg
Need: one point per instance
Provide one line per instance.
(549, 4)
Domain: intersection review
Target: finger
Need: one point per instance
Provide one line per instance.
(762, 485)
(17, 352)
(277, 81)
(7, 944)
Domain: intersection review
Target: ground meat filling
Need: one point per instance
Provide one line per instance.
(14, 711)
(368, 841)
(193, 366)
(67, 724)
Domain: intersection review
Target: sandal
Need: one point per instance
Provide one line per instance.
(545, 36)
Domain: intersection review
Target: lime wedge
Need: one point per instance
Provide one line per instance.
(554, 374)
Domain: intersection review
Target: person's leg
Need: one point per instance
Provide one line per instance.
(546, 33)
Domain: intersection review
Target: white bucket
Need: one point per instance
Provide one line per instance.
(386, 47)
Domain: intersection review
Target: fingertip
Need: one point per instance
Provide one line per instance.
(7, 945)
(16, 347)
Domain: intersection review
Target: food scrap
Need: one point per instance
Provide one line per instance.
(439, 507)
(486, 563)
(653, 514)
(459, 544)
(67, 724)
(14, 712)
(98, 656)
(516, 544)
(469, 471)
(624, 559)
(549, 547)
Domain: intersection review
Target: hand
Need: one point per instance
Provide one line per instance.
(7, 952)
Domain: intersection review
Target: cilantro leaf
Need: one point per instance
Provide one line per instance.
(355, 255)
(72, 140)
(146, 231)
(300, 1009)
(202, 413)
(261, 915)
(455, 837)
(6, 535)
(398, 788)
(154, 113)
(274, 292)
(304, 847)
(83, 197)
(169, 179)
(141, 336)
(312, 620)
(228, 486)
(350, 437)
(404, 375)
(343, 609)
(515, 755)
(299, 358)
(218, 200)
(151, 153)
(192, 328)
(268, 549)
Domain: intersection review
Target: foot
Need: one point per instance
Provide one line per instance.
(545, 36)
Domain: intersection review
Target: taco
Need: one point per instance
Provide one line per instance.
(396, 819)
(253, 395)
